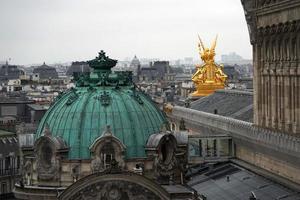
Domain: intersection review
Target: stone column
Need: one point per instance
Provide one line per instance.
(218, 147)
(273, 98)
(204, 148)
(297, 103)
(257, 106)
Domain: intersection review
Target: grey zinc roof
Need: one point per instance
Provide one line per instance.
(37, 107)
(230, 103)
(215, 186)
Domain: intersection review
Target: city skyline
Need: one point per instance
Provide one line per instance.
(63, 31)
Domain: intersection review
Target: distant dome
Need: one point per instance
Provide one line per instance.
(135, 62)
(81, 115)
(45, 71)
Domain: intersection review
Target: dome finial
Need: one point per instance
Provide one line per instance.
(102, 62)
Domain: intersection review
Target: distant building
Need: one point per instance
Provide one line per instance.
(78, 67)
(188, 61)
(158, 71)
(135, 67)
(14, 85)
(8, 72)
(135, 62)
(233, 58)
(13, 110)
(232, 74)
(46, 72)
(9, 163)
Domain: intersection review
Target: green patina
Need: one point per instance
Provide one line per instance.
(103, 98)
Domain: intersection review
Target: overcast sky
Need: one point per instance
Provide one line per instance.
(34, 31)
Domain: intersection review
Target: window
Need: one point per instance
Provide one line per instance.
(46, 154)
(107, 154)
(3, 188)
(194, 148)
(1, 166)
(167, 151)
(7, 163)
(18, 162)
(200, 148)
(211, 147)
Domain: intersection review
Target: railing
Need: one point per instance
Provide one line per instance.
(240, 129)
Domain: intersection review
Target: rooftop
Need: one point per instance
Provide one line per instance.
(229, 181)
(38, 107)
(4, 133)
(236, 104)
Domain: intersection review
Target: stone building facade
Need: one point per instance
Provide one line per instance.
(46, 72)
(274, 28)
(8, 72)
(9, 163)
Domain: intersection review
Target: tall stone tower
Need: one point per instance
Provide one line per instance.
(274, 28)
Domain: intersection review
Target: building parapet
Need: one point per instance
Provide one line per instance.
(275, 140)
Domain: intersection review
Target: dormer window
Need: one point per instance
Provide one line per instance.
(107, 150)
(46, 154)
(107, 153)
(167, 150)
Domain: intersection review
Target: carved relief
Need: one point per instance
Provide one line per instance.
(75, 171)
(96, 165)
(47, 165)
(165, 163)
(47, 150)
(163, 168)
(115, 190)
(27, 172)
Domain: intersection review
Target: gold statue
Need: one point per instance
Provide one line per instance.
(209, 76)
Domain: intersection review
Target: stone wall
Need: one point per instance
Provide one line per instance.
(268, 162)
(274, 28)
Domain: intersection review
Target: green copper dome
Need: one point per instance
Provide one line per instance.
(102, 98)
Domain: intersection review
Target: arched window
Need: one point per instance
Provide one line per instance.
(167, 151)
(46, 154)
(107, 154)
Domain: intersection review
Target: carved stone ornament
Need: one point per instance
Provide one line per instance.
(47, 164)
(27, 172)
(165, 169)
(75, 171)
(49, 172)
(96, 165)
(116, 190)
(28, 167)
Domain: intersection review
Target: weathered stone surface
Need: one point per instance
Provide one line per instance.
(274, 28)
